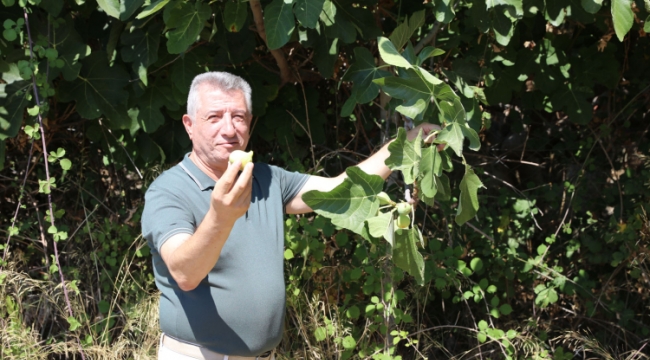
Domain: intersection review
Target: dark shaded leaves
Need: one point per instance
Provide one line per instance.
(185, 22)
(279, 23)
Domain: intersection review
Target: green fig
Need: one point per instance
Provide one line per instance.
(384, 199)
(245, 157)
(403, 208)
(403, 221)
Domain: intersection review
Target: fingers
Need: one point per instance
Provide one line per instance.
(232, 188)
(426, 130)
(244, 186)
(225, 183)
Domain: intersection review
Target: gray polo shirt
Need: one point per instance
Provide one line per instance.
(238, 309)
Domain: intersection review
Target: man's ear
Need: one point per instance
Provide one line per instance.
(187, 122)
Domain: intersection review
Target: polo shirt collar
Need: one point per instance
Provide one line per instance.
(202, 180)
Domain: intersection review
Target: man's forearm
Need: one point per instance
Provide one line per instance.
(376, 163)
(190, 258)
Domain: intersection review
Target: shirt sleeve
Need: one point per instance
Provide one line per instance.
(290, 183)
(164, 215)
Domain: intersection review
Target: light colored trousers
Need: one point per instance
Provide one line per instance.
(167, 354)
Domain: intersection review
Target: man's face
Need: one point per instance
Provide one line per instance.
(220, 126)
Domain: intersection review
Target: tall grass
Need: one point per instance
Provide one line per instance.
(33, 323)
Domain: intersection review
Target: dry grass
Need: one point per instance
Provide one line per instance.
(33, 313)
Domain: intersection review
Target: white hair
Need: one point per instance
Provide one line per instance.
(219, 80)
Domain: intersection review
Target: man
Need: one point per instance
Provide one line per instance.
(217, 235)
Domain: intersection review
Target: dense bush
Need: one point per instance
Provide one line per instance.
(549, 261)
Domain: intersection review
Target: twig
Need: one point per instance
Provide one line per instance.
(617, 177)
(22, 189)
(42, 231)
(431, 37)
(518, 192)
(442, 327)
(311, 142)
(92, 242)
(480, 231)
(123, 148)
(47, 177)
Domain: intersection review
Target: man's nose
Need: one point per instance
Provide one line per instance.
(228, 128)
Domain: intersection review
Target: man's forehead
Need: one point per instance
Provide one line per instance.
(212, 89)
(213, 96)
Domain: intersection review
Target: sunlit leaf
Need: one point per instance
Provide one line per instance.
(622, 17)
(405, 156)
(351, 203)
(406, 255)
(110, 7)
(556, 11)
(444, 11)
(349, 343)
(389, 53)
(453, 111)
(503, 27)
(400, 36)
(452, 134)
(430, 169)
(119, 9)
(417, 20)
(428, 77)
(403, 32)
(328, 14)
(152, 8)
(412, 109)
(468, 202)
(74, 323)
(66, 164)
(591, 6)
(381, 226)
(516, 5)
(428, 52)
(404, 88)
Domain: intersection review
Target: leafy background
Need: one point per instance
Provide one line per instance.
(553, 264)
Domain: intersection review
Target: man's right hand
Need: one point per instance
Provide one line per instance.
(231, 196)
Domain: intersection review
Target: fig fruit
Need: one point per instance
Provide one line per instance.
(403, 221)
(403, 208)
(244, 157)
(384, 199)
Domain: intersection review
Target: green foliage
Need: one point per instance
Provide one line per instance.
(279, 22)
(356, 196)
(622, 17)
